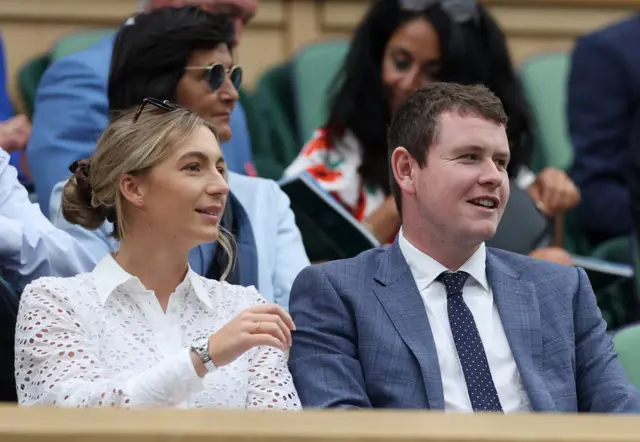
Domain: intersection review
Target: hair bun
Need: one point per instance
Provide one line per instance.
(77, 207)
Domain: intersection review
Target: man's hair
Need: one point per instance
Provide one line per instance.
(150, 54)
(416, 124)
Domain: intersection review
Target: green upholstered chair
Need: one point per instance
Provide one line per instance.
(78, 41)
(315, 70)
(627, 344)
(29, 78)
(272, 117)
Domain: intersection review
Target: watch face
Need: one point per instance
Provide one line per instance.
(203, 342)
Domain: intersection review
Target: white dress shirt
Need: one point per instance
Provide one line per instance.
(479, 298)
(102, 339)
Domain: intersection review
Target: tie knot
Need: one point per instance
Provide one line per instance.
(453, 281)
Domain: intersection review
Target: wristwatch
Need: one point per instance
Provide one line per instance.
(201, 347)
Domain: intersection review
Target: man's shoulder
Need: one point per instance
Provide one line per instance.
(360, 267)
(530, 269)
(614, 36)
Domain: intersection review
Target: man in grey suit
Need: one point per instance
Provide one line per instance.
(438, 321)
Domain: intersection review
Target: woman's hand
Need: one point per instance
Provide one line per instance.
(554, 192)
(260, 325)
(14, 133)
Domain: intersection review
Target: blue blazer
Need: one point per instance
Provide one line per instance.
(603, 97)
(363, 337)
(278, 244)
(71, 111)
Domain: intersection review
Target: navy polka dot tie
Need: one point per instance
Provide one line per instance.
(482, 390)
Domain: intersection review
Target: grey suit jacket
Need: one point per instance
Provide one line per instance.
(363, 338)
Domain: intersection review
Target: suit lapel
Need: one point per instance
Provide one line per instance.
(520, 316)
(399, 296)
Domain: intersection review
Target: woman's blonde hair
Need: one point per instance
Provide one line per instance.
(128, 147)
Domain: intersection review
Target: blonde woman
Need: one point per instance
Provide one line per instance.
(143, 329)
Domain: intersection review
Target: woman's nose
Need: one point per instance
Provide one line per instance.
(218, 185)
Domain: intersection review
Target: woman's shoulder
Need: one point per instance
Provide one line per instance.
(49, 282)
(55, 289)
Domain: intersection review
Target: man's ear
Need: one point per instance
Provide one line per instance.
(403, 166)
(132, 189)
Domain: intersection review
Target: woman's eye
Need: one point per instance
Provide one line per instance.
(195, 167)
(402, 65)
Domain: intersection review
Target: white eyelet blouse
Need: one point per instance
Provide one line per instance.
(102, 339)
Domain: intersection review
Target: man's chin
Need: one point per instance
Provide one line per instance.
(485, 232)
(224, 134)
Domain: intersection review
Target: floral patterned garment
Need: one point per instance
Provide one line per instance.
(335, 168)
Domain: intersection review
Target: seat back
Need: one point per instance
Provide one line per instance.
(78, 41)
(273, 121)
(29, 78)
(316, 69)
(544, 78)
(627, 343)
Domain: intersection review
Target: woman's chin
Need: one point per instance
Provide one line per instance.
(209, 237)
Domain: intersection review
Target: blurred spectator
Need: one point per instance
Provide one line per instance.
(150, 59)
(634, 182)
(30, 246)
(399, 47)
(603, 97)
(71, 106)
(14, 130)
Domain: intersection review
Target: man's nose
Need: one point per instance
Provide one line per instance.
(491, 174)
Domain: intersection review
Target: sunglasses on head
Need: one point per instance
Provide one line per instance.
(160, 104)
(216, 74)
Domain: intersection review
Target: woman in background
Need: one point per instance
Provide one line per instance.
(399, 47)
(143, 329)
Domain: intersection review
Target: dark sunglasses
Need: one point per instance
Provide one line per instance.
(459, 11)
(216, 75)
(160, 104)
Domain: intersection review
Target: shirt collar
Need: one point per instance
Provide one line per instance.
(425, 269)
(109, 275)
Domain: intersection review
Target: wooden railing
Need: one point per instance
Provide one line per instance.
(30, 27)
(57, 425)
